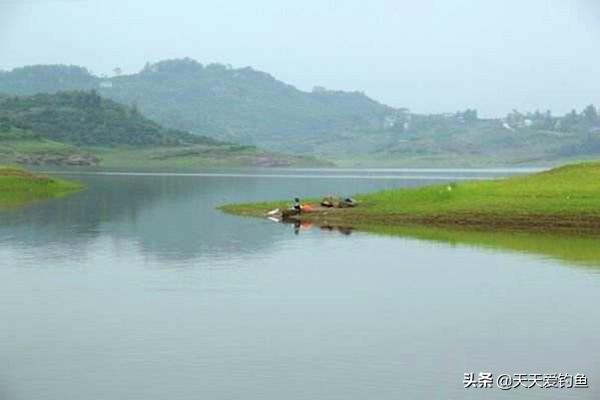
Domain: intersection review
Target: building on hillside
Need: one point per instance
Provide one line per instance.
(390, 121)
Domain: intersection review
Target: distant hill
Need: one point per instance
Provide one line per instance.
(82, 128)
(241, 105)
(86, 119)
(46, 79)
(463, 139)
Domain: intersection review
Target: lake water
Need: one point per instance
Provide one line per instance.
(137, 288)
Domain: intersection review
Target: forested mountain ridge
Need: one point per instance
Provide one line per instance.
(241, 105)
(251, 107)
(35, 79)
(86, 119)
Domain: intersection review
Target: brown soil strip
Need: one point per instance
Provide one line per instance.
(580, 224)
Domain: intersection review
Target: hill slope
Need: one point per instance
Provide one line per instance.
(241, 105)
(46, 79)
(450, 140)
(80, 128)
(86, 119)
(253, 108)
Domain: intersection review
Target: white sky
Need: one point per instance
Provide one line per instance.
(428, 55)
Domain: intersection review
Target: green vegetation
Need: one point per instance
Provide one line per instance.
(240, 105)
(86, 119)
(82, 128)
(463, 139)
(46, 79)
(19, 187)
(251, 107)
(562, 199)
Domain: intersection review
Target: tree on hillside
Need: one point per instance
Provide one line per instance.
(590, 113)
(515, 118)
(134, 109)
(470, 115)
(4, 124)
(572, 117)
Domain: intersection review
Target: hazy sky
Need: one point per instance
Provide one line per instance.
(427, 55)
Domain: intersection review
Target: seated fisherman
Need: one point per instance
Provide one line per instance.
(296, 205)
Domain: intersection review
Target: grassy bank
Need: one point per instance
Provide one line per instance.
(565, 199)
(19, 187)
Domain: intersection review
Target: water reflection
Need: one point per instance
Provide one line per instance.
(168, 217)
(306, 226)
(582, 250)
(173, 216)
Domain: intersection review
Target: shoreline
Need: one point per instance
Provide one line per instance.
(19, 187)
(576, 224)
(565, 199)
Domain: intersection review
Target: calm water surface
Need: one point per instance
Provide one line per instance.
(139, 289)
